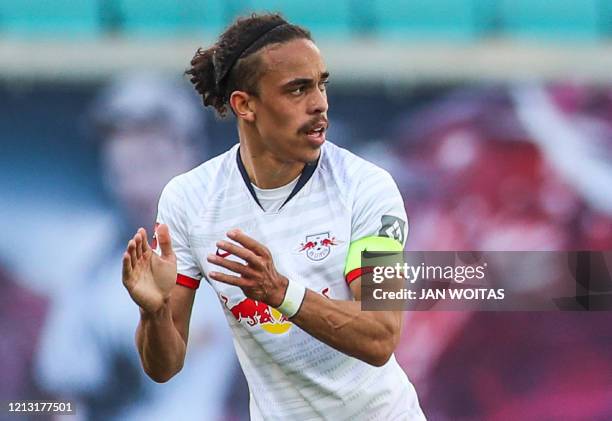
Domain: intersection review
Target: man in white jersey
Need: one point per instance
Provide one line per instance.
(276, 226)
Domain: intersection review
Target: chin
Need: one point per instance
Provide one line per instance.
(304, 152)
(311, 155)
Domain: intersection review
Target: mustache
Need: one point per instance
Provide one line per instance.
(314, 122)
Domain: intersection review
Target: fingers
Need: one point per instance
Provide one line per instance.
(145, 242)
(126, 266)
(142, 242)
(138, 240)
(248, 242)
(236, 267)
(137, 247)
(131, 249)
(246, 255)
(163, 239)
(231, 280)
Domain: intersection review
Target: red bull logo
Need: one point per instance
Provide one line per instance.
(259, 313)
(309, 245)
(326, 242)
(318, 246)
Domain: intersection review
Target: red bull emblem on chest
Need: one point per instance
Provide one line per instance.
(318, 246)
(254, 313)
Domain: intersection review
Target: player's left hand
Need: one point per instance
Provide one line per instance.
(258, 278)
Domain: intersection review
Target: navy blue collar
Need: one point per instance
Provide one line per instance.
(307, 173)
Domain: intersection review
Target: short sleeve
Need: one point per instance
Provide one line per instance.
(171, 212)
(378, 208)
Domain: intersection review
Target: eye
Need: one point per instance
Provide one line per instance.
(323, 85)
(298, 91)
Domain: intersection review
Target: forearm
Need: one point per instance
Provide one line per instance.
(370, 336)
(160, 345)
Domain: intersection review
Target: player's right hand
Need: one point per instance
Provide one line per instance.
(149, 278)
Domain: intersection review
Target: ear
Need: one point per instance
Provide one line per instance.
(242, 104)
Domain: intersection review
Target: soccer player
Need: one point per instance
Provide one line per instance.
(276, 226)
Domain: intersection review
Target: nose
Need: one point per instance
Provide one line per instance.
(318, 102)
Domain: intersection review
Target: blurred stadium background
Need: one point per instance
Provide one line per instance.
(494, 116)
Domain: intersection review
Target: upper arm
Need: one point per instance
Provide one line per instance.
(171, 211)
(355, 287)
(378, 208)
(181, 304)
(379, 222)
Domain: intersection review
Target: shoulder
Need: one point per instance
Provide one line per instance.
(197, 182)
(350, 171)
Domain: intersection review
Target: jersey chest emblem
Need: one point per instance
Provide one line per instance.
(255, 313)
(317, 247)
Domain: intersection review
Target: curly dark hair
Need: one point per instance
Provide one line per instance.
(230, 65)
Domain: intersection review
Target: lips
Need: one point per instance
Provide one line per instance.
(318, 127)
(319, 124)
(316, 132)
(316, 137)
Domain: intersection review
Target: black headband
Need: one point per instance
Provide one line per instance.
(221, 75)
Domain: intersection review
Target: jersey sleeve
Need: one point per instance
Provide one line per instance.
(379, 220)
(171, 212)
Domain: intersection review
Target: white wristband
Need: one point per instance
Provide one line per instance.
(293, 299)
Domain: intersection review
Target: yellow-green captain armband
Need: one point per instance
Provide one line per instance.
(353, 268)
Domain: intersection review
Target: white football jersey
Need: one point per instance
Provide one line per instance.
(340, 199)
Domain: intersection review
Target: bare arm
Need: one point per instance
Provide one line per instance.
(367, 335)
(370, 336)
(161, 337)
(165, 308)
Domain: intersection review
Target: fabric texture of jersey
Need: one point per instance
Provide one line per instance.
(292, 375)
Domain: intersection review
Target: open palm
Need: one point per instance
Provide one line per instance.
(149, 278)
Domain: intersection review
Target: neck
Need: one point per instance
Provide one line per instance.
(265, 169)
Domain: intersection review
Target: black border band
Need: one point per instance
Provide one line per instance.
(307, 173)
